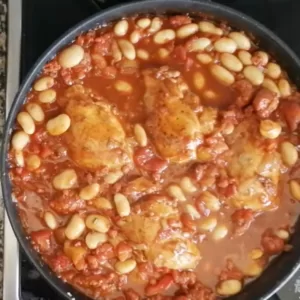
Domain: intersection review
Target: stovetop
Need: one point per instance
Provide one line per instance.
(44, 21)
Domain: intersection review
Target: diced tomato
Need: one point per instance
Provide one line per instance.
(124, 251)
(103, 43)
(105, 251)
(184, 278)
(109, 72)
(60, 263)
(42, 240)
(178, 21)
(142, 155)
(188, 222)
(146, 159)
(271, 243)
(39, 135)
(188, 64)
(130, 294)
(180, 53)
(68, 202)
(45, 151)
(145, 270)
(231, 272)
(161, 286)
(52, 68)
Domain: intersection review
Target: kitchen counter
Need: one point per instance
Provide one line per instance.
(3, 11)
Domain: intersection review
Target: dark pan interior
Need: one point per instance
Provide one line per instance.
(283, 267)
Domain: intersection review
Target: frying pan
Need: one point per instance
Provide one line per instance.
(284, 266)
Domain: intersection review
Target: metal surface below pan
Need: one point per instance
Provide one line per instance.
(284, 266)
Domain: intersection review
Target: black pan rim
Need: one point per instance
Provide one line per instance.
(110, 14)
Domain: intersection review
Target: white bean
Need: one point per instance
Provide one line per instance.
(187, 185)
(284, 88)
(19, 140)
(256, 253)
(47, 96)
(208, 224)
(123, 86)
(26, 122)
(163, 53)
(231, 62)
(164, 36)
(140, 135)
(121, 28)
(102, 203)
(241, 40)
(294, 187)
(33, 162)
(19, 158)
(143, 23)
(219, 232)
(36, 112)
(204, 58)
(270, 85)
(187, 30)
(273, 70)
(58, 125)
(282, 234)
(253, 269)
(75, 227)
(156, 25)
(98, 223)
(199, 80)
(270, 129)
(225, 45)
(260, 58)
(176, 192)
(142, 54)
(210, 94)
(210, 200)
(125, 267)
(222, 74)
(116, 52)
(67, 179)
(254, 75)
(50, 220)
(229, 287)
(199, 44)
(94, 239)
(289, 153)
(122, 205)
(43, 84)
(245, 57)
(71, 56)
(135, 36)
(89, 192)
(113, 177)
(209, 27)
(127, 49)
(192, 211)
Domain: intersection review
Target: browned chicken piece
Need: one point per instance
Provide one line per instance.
(96, 138)
(172, 120)
(255, 168)
(139, 187)
(172, 250)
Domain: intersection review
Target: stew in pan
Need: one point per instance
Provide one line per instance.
(156, 158)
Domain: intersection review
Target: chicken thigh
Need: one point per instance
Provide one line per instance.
(171, 248)
(172, 120)
(96, 138)
(255, 168)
